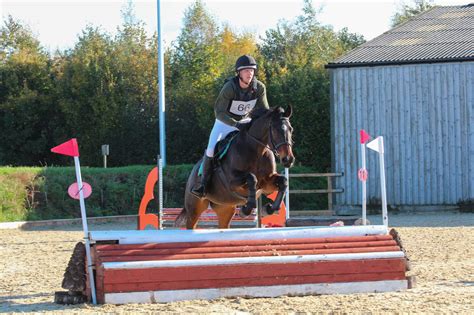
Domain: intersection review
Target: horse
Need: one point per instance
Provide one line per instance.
(247, 170)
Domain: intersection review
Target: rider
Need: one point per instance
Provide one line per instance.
(237, 98)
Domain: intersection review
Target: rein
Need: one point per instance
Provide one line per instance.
(275, 146)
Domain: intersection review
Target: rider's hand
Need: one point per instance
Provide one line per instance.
(243, 123)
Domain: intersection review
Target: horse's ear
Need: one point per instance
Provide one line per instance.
(288, 112)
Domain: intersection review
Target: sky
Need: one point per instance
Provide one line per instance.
(58, 23)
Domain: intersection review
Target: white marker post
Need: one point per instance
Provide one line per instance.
(377, 145)
(70, 148)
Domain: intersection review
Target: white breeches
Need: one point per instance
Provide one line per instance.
(219, 131)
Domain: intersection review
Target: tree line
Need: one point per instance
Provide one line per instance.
(104, 89)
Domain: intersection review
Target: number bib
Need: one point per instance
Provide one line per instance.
(242, 108)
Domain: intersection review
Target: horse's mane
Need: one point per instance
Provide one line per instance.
(257, 113)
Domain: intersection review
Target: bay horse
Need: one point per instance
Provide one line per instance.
(247, 170)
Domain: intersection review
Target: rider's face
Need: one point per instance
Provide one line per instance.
(246, 75)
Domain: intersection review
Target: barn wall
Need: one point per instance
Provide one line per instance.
(425, 113)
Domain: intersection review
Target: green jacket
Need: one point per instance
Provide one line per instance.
(235, 103)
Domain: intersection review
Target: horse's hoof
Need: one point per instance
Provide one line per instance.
(245, 212)
(267, 209)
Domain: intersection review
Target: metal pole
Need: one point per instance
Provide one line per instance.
(382, 183)
(364, 187)
(86, 230)
(161, 88)
(160, 189)
(105, 161)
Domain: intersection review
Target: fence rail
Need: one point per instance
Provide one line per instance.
(329, 191)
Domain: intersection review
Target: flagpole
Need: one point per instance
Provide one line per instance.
(161, 88)
(364, 137)
(70, 148)
(85, 228)
(364, 188)
(382, 182)
(378, 146)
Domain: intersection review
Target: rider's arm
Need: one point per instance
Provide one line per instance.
(261, 96)
(226, 95)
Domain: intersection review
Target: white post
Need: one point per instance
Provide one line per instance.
(86, 230)
(287, 193)
(364, 188)
(382, 183)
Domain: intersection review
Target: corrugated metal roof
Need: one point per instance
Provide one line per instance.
(440, 34)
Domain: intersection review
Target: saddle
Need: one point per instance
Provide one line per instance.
(223, 146)
(221, 149)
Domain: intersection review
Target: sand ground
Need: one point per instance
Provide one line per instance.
(439, 245)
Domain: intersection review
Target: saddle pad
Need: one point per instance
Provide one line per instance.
(222, 147)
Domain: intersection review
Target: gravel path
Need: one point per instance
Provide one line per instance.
(439, 245)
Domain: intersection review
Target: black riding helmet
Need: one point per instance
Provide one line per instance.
(245, 62)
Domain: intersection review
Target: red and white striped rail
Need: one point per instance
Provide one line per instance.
(171, 265)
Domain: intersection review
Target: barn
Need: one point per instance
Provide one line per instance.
(413, 85)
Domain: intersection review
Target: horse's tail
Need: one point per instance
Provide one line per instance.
(181, 219)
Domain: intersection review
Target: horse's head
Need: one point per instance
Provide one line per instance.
(280, 134)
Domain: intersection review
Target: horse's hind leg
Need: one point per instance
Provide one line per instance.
(195, 208)
(224, 215)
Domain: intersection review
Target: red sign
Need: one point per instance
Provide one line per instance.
(362, 174)
(73, 190)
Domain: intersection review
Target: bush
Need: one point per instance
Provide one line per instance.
(34, 193)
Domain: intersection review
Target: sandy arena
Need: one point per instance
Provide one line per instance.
(440, 247)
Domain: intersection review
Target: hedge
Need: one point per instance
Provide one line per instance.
(40, 193)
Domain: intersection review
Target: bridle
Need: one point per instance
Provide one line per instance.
(275, 146)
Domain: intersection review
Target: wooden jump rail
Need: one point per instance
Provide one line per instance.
(330, 191)
(173, 265)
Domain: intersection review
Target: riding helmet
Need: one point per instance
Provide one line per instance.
(245, 62)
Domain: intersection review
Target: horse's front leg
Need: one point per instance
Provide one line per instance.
(251, 198)
(280, 183)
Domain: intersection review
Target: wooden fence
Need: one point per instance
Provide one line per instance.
(330, 190)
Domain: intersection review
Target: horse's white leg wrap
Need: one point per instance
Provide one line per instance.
(219, 131)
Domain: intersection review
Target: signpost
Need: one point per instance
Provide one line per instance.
(105, 152)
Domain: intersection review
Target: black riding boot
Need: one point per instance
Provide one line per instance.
(199, 190)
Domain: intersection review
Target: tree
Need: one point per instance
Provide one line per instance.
(195, 63)
(407, 11)
(29, 119)
(294, 57)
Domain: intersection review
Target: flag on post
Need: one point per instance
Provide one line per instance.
(69, 148)
(376, 145)
(364, 136)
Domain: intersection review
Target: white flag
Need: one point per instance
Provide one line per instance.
(376, 144)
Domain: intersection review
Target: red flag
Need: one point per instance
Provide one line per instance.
(364, 136)
(67, 148)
